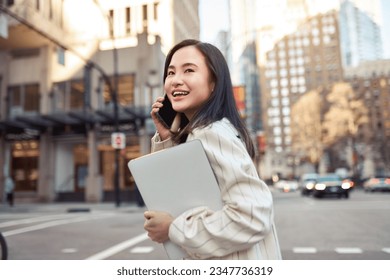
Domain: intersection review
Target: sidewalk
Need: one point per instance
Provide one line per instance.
(67, 207)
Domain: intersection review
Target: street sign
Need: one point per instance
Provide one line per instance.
(118, 140)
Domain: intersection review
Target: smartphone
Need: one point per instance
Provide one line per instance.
(166, 113)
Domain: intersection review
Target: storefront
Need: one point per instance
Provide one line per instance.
(56, 122)
(68, 159)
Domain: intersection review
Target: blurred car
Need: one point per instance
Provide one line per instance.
(286, 185)
(377, 184)
(307, 182)
(331, 185)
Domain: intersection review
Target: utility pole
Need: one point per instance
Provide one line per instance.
(114, 98)
(116, 120)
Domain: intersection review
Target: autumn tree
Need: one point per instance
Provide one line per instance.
(346, 113)
(306, 127)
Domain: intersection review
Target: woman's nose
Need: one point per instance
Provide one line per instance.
(177, 80)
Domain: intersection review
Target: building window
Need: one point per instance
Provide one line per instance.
(277, 131)
(69, 95)
(111, 15)
(128, 20)
(145, 12)
(59, 96)
(155, 8)
(125, 90)
(25, 156)
(145, 17)
(60, 56)
(77, 92)
(80, 155)
(23, 98)
(50, 9)
(31, 96)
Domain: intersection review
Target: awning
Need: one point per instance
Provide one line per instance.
(75, 121)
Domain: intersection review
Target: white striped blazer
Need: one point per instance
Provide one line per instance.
(244, 228)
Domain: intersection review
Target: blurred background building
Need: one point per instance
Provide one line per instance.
(72, 73)
(304, 52)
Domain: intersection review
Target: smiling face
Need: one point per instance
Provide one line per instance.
(188, 82)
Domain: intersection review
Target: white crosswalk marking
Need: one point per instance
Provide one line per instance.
(142, 250)
(119, 247)
(54, 223)
(386, 250)
(69, 250)
(304, 250)
(347, 250)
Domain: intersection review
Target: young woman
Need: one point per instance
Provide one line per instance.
(198, 84)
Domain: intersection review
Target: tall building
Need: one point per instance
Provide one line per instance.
(172, 20)
(260, 22)
(360, 35)
(242, 57)
(385, 28)
(68, 82)
(301, 61)
(352, 34)
(270, 27)
(371, 82)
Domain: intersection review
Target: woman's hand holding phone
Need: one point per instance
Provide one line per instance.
(164, 117)
(162, 130)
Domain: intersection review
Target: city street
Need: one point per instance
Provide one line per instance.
(308, 228)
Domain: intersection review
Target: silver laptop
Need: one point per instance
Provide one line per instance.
(175, 180)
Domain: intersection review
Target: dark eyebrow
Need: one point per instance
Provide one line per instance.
(189, 64)
(184, 65)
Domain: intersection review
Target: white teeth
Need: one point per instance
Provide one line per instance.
(177, 93)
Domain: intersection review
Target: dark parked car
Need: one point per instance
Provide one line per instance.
(379, 183)
(331, 185)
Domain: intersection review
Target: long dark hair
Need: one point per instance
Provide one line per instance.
(221, 103)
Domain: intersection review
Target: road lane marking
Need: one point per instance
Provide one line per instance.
(55, 223)
(142, 250)
(69, 250)
(33, 220)
(304, 250)
(386, 250)
(345, 250)
(119, 247)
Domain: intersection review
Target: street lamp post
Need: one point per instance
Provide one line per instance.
(114, 97)
(116, 127)
(152, 83)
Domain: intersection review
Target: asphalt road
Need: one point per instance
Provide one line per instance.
(325, 229)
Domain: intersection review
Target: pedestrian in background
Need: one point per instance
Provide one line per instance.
(198, 85)
(9, 190)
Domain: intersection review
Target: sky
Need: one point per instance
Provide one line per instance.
(213, 18)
